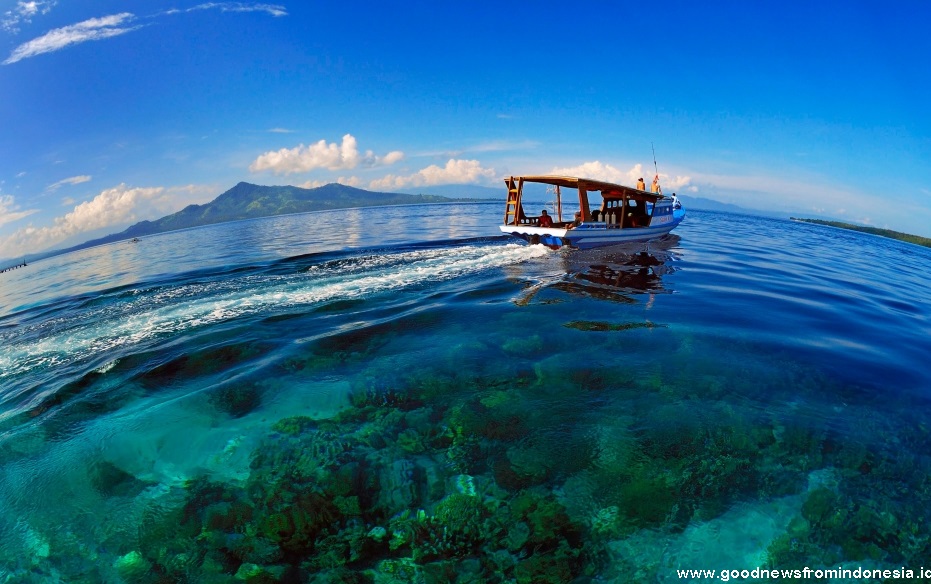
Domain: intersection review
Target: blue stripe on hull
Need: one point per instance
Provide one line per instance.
(587, 237)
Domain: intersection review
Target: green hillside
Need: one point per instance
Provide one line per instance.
(248, 201)
(916, 239)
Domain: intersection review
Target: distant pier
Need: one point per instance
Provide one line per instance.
(8, 268)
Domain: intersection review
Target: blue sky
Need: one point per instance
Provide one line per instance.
(113, 112)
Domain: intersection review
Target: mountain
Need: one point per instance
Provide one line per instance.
(701, 204)
(248, 201)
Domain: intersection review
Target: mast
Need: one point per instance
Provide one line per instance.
(655, 168)
(558, 205)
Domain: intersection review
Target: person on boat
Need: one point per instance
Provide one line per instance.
(655, 186)
(576, 220)
(545, 219)
(641, 185)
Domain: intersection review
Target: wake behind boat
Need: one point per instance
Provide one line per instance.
(624, 214)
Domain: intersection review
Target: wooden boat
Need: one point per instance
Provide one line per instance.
(624, 214)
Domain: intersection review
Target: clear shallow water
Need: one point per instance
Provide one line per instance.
(414, 398)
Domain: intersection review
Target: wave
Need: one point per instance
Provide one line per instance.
(170, 309)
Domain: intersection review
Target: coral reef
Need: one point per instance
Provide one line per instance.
(453, 475)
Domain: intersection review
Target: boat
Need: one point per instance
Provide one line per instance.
(624, 214)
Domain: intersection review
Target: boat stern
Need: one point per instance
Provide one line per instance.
(548, 236)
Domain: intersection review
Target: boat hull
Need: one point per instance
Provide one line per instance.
(591, 235)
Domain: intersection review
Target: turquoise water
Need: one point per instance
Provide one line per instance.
(401, 395)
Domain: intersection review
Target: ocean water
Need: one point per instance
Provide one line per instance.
(403, 395)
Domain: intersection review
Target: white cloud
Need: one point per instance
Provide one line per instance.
(115, 206)
(273, 9)
(331, 156)
(96, 29)
(491, 146)
(93, 29)
(280, 131)
(788, 193)
(9, 210)
(74, 180)
(600, 171)
(597, 170)
(677, 182)
(502, 145)
(455, 172)
(23, 13)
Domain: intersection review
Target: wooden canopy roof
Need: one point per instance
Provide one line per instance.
(608, 190)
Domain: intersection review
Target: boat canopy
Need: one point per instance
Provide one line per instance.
(608, 190)
(613, 195)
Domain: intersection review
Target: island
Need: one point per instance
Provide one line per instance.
(249, 201)
(916, 239)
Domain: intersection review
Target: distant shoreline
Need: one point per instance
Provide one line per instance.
(906, 237)
(125, 236)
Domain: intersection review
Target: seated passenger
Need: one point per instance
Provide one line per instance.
(545, 219)
(576, 220)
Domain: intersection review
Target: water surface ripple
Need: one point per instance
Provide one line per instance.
(402, 395)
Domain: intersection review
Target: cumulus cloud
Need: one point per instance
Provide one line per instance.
(93, 29)
(23, 12)
(455, 172)
(115, 206)
(9, 210)
(597, 170)
(330, 156)
(74, 180)
(677, 182)
(608, 173)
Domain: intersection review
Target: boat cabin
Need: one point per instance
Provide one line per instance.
(621, 207)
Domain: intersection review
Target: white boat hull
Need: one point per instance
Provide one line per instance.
(592, 234)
